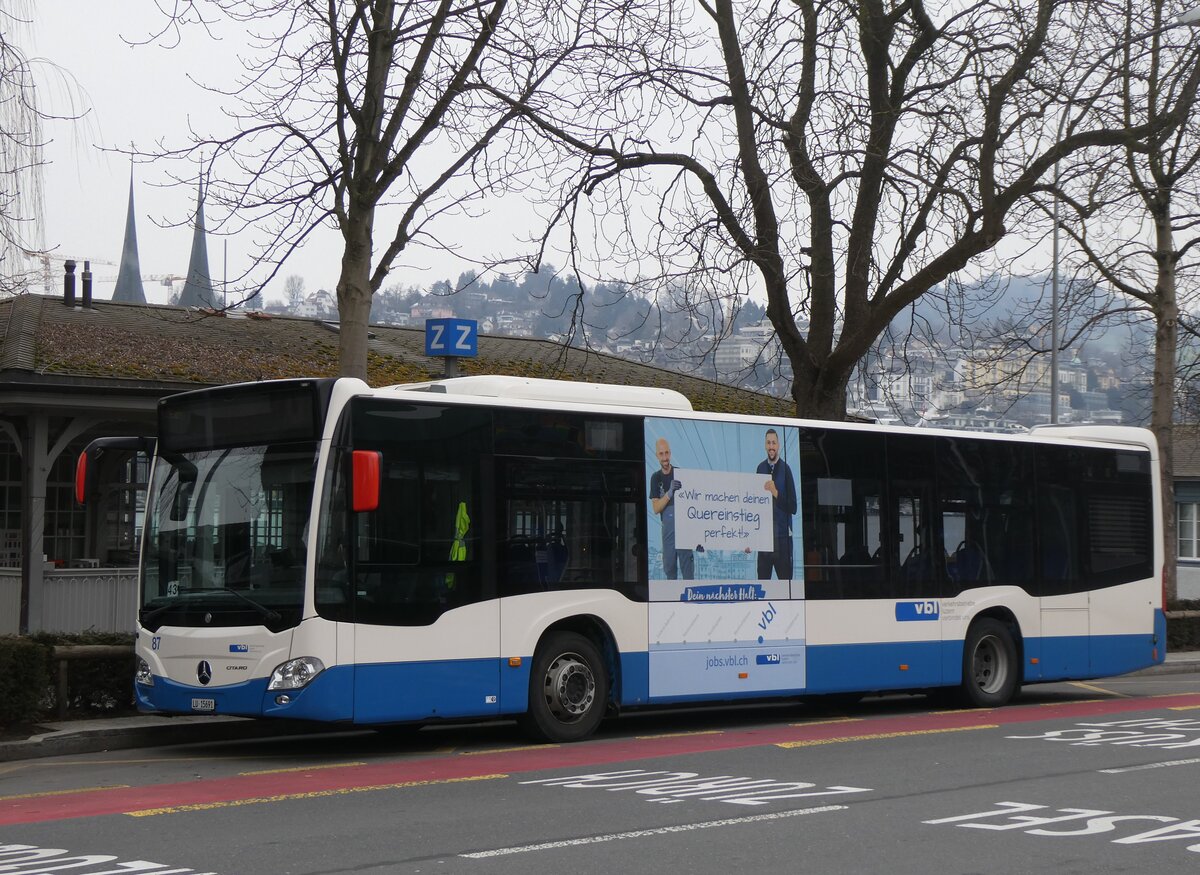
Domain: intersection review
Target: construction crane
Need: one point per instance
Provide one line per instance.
(52, 257)
(167, 279)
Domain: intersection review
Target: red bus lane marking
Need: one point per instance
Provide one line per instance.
(248, 789)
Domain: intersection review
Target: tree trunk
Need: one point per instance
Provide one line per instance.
(354, 298)
(820, 393)
(1162, 414)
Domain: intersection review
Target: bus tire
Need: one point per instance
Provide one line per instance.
(568, 689)
(991, 674)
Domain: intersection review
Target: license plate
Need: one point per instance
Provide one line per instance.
(204, 704)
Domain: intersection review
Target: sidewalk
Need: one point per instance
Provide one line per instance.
(1176, 663)
(147, 730)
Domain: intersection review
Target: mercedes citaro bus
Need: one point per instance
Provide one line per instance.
(491, 547)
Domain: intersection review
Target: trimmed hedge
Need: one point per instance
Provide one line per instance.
(1183, 633)
(95, 687)
(24, 679)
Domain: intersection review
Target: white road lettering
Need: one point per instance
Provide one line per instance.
(1014, 816)
(32, 860)
(685, 785)
(1144, 732)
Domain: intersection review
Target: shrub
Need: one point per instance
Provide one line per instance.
(1183, 633)
(24, 679)
(95, 687)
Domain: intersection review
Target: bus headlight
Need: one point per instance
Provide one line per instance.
(295, 673)
(141, 673)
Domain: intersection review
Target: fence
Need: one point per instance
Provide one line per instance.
(74, 600)
(10, 601)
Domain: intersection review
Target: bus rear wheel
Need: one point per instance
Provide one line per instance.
(990, 670)
(568, 689)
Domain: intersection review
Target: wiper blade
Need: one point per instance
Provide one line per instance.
(161, 609)
(263, 611)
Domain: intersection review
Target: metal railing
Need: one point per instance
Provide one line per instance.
(73, 600)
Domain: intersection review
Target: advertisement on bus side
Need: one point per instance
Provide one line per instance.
(727, 611)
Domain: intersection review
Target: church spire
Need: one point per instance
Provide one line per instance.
(198, 290)
(129, 278)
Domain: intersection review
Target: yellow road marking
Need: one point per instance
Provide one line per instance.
(830, 720)
(64, 792)
(1182, 707)
(477, 753)
(964, 711)
(681, 734)
(311, 794)
(302, 769)
(1073, 702)
(1096, 689)
(818, 741)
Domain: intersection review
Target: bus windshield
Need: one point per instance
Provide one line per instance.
(226, 534)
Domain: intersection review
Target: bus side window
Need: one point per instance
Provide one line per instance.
(1059, 482)
(568, 524)
(842, 502)
(985, 492)
(918, 560)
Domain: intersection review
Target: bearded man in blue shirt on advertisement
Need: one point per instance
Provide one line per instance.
(782, 487)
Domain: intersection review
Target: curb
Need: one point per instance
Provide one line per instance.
(1175, 666)
(151, 731)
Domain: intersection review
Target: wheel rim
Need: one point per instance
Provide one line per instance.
(570, 687)
(989, 666)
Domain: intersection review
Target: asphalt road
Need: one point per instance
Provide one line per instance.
(1095, 777)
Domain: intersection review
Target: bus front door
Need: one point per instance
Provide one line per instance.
(443, 668)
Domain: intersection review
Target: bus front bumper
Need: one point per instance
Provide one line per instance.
(329, 697)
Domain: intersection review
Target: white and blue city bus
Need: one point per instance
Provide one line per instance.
(492, 547)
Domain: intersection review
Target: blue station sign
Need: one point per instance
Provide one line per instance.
(457, 338)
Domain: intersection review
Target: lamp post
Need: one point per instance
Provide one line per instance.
(1190, 18)
(1054, 295)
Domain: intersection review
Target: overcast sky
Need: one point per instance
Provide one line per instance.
(143, 94)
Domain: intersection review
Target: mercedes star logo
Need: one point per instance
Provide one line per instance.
(204, 672)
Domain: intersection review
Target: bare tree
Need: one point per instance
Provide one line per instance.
(1135, 211)
(843, 156)
(293, 291)
(354, 114)
(21, 141)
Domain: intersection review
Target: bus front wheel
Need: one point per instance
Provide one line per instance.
(990, 670)
(568, 689)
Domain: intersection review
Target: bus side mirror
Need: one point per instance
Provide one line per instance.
(365, 481)
(89, 461)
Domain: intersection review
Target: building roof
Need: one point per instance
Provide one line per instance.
(1186, 439)
(140, 347)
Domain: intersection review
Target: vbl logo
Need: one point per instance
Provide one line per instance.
(768, 616)
(923, 610)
